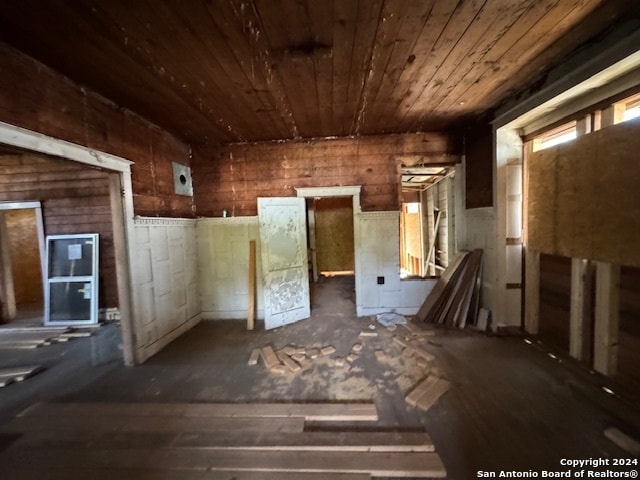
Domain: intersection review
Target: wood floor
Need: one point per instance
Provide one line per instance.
(221, 441)
(509, 404)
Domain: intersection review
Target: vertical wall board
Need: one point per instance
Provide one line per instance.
(576, 172)
(555, 300)
(374, 255)
(616, 212)
(514, 264)
(376, 259)
(444, 229)
(532, 292)
(514, 200)
(584, 199)
(478, 231)
(580, 314)
(629, 335)
(607, 318)
(166, 287)
(541, 201)
(223, 259)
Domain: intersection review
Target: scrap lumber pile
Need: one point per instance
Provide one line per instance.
(36, 337)
(218, 441)
(455, 298)
(289, 359)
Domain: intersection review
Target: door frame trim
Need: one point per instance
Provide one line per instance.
(341, 191)
(123, 232)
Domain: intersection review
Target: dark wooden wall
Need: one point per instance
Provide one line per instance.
(479, 165)
(555, 300)
(34, 97)
(74, 198)
(629, 336)
(232, 177)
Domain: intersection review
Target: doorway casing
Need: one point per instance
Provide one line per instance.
(346, 191)
(121, 194)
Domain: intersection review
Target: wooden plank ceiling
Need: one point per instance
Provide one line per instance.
(219, 71)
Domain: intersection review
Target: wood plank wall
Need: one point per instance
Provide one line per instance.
(555, 300)
(74, 198)
(479, 165)
(232, 177)
(629, 336)
(33, 96)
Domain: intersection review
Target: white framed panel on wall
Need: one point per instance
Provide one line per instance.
(71, 293)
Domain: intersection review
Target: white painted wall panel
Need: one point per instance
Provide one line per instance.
(478, 231)
(378, 255)
(514, 263)
(165, 282)
(223, 270)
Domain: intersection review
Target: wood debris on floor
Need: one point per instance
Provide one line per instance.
(290, 358)
(243, 441)
(35, 337)
(427, 392)
(454, 300)
(17, 374)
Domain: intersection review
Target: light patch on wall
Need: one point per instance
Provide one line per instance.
(182, 180)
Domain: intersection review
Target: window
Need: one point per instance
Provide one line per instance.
(627, 109)
(561, 134)
(427, 239)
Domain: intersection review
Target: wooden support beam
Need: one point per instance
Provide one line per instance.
(607, 318)
(532, 291)
(583, 125)
(429, 262)
(612, 115)
(251, 311)
(431, 232)
(122, 261)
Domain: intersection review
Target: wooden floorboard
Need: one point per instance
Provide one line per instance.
(391, 464)
(314, 441)
(150, 423)
(136, 474)
(316, 412)
(305, 441)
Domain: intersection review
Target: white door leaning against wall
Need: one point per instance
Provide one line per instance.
(283, 238)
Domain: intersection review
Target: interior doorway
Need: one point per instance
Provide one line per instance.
(21, 263)
(332, 258)
(332, 227)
